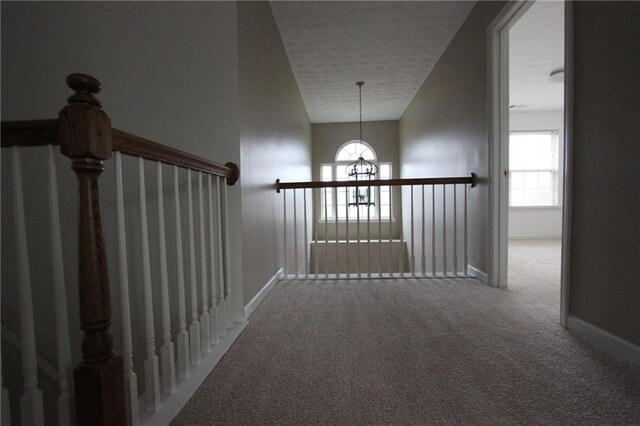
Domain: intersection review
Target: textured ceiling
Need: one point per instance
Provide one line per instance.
(392, 46)
(536, 48)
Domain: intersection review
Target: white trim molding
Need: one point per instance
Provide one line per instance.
(536, 237)
(187, 388)
(498, 87)
(498, 96)
(478, 274)
(610, 343)
(264, 291)
(568, 163)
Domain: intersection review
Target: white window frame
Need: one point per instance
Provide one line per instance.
(556, 174)
(332, 209)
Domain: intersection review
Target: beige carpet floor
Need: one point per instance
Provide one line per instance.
(440, 351)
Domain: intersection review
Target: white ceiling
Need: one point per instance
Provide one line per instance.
(392, 46)
(536, 48)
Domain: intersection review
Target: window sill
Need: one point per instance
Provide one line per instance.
(521, 208)
(354, 220)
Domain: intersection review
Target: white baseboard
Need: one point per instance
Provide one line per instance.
(173, 404)
(610, 343)
(478, 274)
(535, 237)
(264, 291)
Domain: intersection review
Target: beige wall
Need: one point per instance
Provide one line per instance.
(605, 232)
(444, 131)
(383, 138)
(275, 140)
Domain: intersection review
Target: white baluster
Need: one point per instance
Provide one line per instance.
(295, 234)
(368, 232)
(151, 373)
(444, 229)
(182, 340)
(130, 379)
(5, 408)
(213, 315)
(194, 327)
(227, 258)
(455, 229)
(413, 257)
(401, 240)
(66, 410)
(286, 255)
(466, 257)
(379, 198)
(358, 230)
(424, 255)
(167, 362)
(222, 326)
(5, 415)
(346, 200)
(433, 230)
(205, 335)
(306, 237)
(31, 406)
(317, 227)
(390, 231)
(326, 236)
(335, 206)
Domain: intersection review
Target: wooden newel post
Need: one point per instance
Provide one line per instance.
(85, 137)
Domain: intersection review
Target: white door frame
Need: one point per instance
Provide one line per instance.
(498, 39)
(498, 84)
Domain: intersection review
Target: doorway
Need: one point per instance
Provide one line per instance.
(527, 134)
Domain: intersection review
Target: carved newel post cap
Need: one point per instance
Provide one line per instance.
(85, 87)
(84, 128)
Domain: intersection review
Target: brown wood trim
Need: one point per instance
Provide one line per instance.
(389, 182)
(30, 133)
(86, 138)
(136, 146)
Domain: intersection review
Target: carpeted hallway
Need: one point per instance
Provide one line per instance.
(415, 351)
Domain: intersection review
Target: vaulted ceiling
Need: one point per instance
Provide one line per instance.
(391, 46)
(394, 45)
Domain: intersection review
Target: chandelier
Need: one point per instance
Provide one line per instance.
(361, 169)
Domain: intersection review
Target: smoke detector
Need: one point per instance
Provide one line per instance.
(557, 76)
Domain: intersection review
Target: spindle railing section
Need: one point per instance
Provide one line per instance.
(421, 231)
(105, 390)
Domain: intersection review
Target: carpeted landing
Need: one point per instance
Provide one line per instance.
(445, 351)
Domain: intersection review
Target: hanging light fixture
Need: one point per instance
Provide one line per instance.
(361, 169)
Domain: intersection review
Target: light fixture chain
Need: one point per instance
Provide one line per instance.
(360, 92)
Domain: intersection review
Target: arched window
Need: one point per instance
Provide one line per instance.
(353, 150)
(341, 201)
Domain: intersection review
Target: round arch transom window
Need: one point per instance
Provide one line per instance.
(353, 150)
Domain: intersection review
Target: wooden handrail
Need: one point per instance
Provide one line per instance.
(45, 132)
(378, 182)
(30, 133)
(136, 146)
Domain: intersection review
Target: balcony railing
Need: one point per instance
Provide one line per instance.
(421, 232)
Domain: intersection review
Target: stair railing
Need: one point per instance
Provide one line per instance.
(105, 386)
(393, 228)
